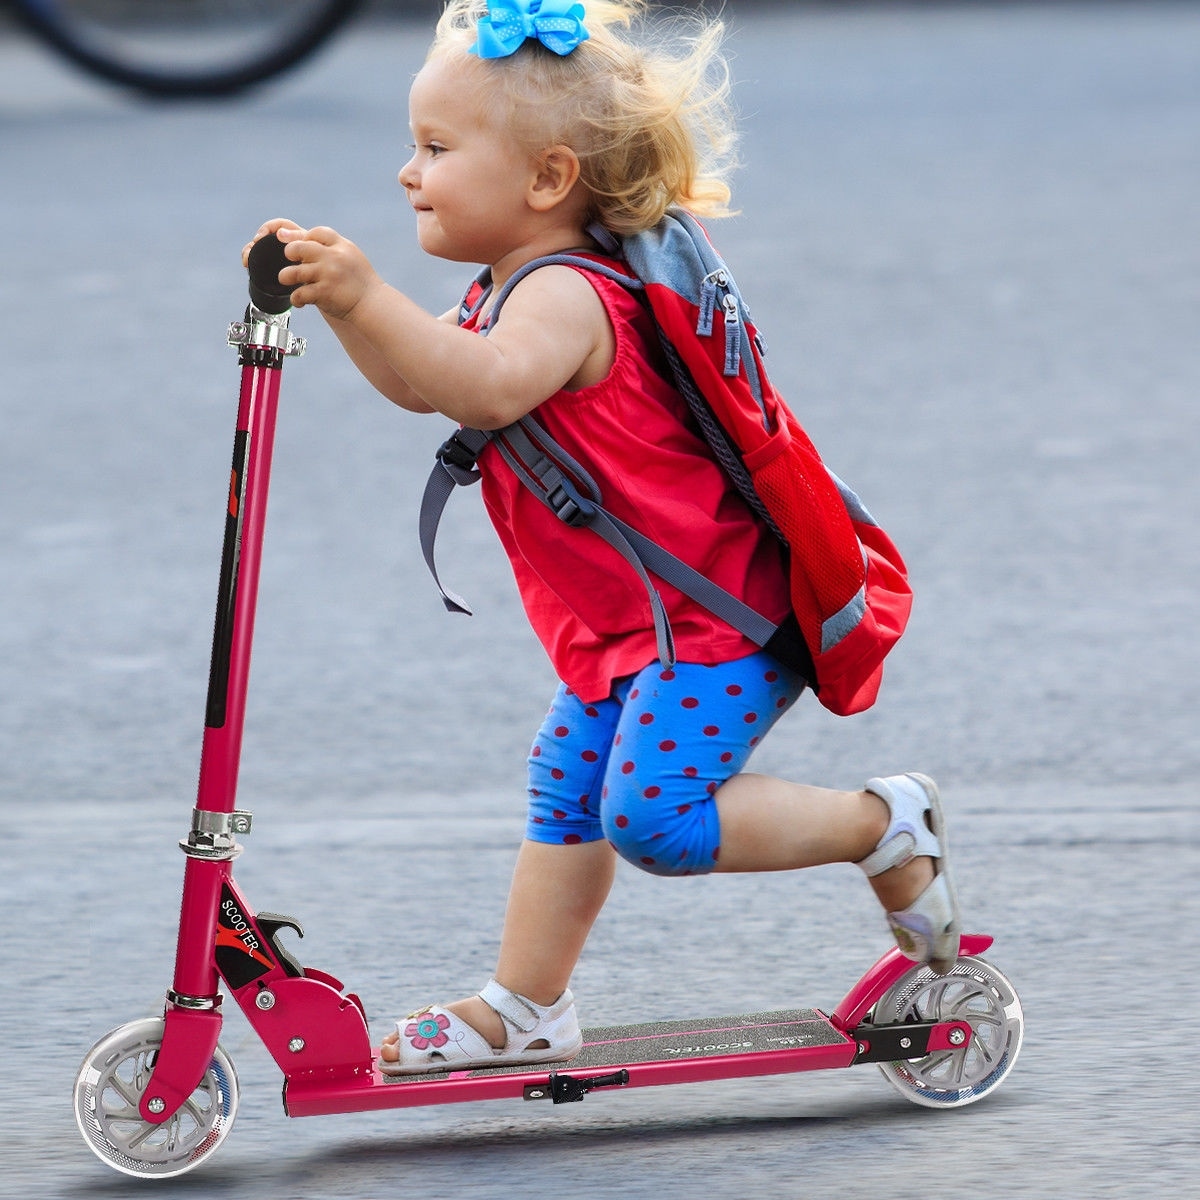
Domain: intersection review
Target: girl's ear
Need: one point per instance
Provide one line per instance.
(556, 172)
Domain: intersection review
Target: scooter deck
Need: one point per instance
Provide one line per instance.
(678, 1041)
(660, 1052)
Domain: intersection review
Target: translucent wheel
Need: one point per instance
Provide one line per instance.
(109, 1088)
(975, 992)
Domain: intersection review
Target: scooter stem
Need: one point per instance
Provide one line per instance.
(263, 341)
(193, 1019)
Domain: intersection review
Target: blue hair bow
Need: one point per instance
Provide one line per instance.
(557, 24)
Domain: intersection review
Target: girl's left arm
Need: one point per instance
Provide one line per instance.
(554, 332)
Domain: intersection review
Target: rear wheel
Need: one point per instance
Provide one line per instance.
(108, 1090)
(186, 47)
(975, 992)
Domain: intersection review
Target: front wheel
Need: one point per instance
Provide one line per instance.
(109, 1088)
(975, 992)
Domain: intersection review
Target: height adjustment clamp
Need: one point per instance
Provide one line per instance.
(264, 338)
(213, 835)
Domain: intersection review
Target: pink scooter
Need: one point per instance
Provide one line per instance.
(157, 1097)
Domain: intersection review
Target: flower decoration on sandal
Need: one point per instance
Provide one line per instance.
(557, 24)
(429, 1029)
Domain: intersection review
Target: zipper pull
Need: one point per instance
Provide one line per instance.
(733, 335)
(708, 301)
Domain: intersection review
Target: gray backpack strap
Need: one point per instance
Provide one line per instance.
(528, 450)
(624, 278)
(746, 620)
(455, 467)
(547, 470)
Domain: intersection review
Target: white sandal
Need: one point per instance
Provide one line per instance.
(928, 930)
(434, 1039)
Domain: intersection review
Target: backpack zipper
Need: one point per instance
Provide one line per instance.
(709, 286)
(717, 283)
(733, 334)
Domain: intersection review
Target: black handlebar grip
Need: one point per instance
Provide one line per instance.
(266, 260)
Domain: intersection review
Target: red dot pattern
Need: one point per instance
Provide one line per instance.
(682, 732)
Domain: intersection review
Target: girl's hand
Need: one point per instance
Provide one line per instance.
(331, 272)
(270, 227)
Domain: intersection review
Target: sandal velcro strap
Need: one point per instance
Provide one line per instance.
(518, 1011)
(896, 851)
(910, 798)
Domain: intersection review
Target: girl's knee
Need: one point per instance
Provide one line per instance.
(679, 840)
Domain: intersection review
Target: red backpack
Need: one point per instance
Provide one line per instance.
(850, 593)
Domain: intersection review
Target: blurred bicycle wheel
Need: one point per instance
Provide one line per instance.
(186, 47)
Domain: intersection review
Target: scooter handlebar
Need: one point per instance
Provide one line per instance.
(265, 261)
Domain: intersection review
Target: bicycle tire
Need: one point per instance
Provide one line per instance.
(61, 26)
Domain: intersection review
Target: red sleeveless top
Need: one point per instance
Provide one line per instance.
(634, 435)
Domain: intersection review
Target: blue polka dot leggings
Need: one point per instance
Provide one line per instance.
(642, 767)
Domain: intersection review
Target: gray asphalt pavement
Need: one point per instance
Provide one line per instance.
(969, 234)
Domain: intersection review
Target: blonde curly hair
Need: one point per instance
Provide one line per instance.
(645, 106)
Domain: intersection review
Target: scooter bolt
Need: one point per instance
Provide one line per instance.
(265, 999)
(296, 1045)
(956, 1037)
(905, 1043)
(157, 1104)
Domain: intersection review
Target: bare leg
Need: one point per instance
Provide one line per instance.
(557, 894)
(769, 824)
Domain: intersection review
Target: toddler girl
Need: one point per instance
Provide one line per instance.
(532, 120)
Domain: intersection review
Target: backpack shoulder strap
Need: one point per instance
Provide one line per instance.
(454, 467)
(579, 261)
(565, 487)
(457, 456)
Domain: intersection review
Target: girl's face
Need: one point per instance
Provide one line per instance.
(467, 178)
